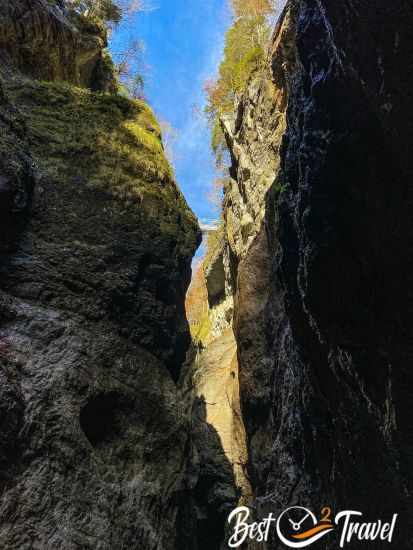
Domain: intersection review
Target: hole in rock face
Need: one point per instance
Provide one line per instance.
(100, 418)
(215, 279)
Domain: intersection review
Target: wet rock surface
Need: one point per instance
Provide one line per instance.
(333, 238)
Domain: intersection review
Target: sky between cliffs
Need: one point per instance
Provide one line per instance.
(183, 40)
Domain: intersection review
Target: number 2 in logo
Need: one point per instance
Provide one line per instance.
(297, 527)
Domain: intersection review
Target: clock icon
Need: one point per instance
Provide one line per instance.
(297, 527)
(296, 519)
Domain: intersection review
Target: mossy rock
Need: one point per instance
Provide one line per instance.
(110, 235)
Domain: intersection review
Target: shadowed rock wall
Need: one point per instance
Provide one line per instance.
(96, 244)
(323, 307)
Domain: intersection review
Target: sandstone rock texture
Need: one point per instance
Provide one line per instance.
(319, 244)
(217, 478)
(219, 440)
(96, 244)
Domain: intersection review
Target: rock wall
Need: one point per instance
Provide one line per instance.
(44, 40)
(217, 469)
(108, 439)
(254, 136)
(219, 455)
(96, 243)
(319, 241)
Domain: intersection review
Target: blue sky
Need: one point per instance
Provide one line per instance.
(183, 47)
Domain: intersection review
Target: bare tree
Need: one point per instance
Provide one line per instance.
(111, 11)
(216, 193)
(130, 7)
(127, 59)
(169, 138)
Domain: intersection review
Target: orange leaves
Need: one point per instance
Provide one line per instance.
(216, 93)
(253, 8)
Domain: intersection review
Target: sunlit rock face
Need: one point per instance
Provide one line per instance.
(319, 241)
(43, 39)
(254, 136)
(216, 472)
(96, 244)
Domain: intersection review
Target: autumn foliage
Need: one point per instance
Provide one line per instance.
(253, 8)
(245, 44)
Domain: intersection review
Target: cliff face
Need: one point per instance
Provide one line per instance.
(95, 248)
(318, 242)
(43, 40)
(217, 479)
(254, 137)
(105, 440)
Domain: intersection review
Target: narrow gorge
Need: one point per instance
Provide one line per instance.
(136, 414)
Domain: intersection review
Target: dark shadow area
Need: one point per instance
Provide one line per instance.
(11, 414)
(202, 523)
(100, 417)
(215, 278)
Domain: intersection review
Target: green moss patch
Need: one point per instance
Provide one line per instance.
(108, 140)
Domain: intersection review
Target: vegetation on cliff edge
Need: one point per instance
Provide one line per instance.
(106, 142)
(244, 53)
